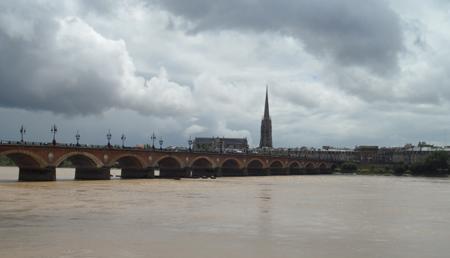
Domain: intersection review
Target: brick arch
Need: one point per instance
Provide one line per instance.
(293, 163)
(256, 159)
(238, 162)
(213, 164)
(309, 165)
(180, 162)
(91, 157)
(24, 158)
(140, 161)
(273, 162)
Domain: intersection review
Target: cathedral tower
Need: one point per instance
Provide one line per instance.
(266, 125)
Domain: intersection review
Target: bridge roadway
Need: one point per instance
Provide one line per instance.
(39, 163)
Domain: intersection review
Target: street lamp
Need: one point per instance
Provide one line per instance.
(22, 132)
(123, 138)
(190, 143)
(153, 137)
(108, 136)
(77, 137)
(54, 130)
(160, 143)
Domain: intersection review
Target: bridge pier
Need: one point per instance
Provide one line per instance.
(134, 173)
(92, 173)
(37, 174)
(203, 172)
(174, 172)
(218, 172)
(233, 172)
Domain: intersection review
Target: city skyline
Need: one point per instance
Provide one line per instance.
(357, 73)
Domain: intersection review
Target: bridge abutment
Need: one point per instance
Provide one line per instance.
(92, 173)
(134, 173)
(37, 174)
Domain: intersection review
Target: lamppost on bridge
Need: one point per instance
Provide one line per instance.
(108, 136)
(160, 143)
(22, 131)
(153, 137)
(77, 137)
(123, 138)
(54, 130)
(190, 143)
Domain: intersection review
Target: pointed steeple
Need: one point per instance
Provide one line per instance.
(266, 107)
(266, 125)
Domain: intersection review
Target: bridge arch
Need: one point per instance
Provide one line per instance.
(202, 159)
(25, 159)
(80, 159)
(309, 165)
(168, 160)
(294, 164)
(310, 168)
(276, 164)
(202, 166)
(232, 163)
(170, 167)
(277, 168)
(323, 168)
(255, 167)
(294, 167)
(256, 162)
(128, 161)
(232, 167)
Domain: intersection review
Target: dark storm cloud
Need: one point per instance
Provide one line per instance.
(351, 32)
(52, 60)
(23, 87)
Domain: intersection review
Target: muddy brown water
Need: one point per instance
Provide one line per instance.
(290, 216)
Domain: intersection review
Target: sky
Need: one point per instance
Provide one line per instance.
(340, 72)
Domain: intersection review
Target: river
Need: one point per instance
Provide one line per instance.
(290, 216)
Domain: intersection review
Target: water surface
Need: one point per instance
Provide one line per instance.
(290, 216)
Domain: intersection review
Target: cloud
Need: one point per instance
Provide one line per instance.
(63, 65)
(350, 33)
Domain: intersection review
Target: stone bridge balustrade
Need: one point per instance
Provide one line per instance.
(39, 162)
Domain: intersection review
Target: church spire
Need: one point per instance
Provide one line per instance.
(266, 107)
(266, 125)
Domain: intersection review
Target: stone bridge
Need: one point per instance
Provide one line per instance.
(39, 163)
